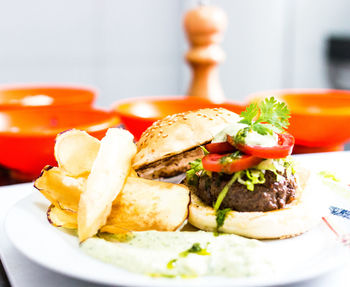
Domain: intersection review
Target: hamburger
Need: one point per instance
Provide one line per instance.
(167, 147)
(238, 169)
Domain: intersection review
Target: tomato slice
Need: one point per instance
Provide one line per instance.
(283, 149)
(223, 147)
(214, 162)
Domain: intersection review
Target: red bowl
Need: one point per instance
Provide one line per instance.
(137, 114)
(27, 137)
(29, 95)
(319, 118)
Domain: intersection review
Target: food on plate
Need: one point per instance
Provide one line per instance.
(338, 184)
(140, 205)
(185, 254)
(62, 218)
(75, 151)
(254, 189)
(239, 178)
(145, 204)
(295, 218)
(106, 179)
(133, 173)
(59, 188)
(166, 148)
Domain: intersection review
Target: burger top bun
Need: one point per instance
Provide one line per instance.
(299, 216)
(180, 132)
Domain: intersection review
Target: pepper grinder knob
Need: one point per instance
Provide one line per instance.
(204, 26)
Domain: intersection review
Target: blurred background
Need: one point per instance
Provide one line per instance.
(136, 47)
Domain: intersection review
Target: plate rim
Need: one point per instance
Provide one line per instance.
(125, 281)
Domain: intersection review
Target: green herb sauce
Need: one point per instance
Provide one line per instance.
(195, 248)
(183, 254)
(227, 159)
(220, 217)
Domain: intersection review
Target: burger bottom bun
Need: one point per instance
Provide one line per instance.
(304, 212)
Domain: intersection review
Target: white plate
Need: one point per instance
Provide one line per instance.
(305, 256)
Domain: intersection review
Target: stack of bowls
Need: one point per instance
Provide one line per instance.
(319, 118)
(30, 118)
(137, 114)
(32, 115)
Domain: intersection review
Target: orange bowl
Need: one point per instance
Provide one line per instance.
(27, 137)
(29, 95)
(137, 114)
(319, 118)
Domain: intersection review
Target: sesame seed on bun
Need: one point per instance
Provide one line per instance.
(179, 133)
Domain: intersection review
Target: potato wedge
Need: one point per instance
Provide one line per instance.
(148, 205)
(76, 151)
(141, 205)
(61, 218)
(107, 177)
(60, 189)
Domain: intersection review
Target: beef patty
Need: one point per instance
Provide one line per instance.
(170, 166)
(268, 196)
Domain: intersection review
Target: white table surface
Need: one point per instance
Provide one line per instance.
(24, 273)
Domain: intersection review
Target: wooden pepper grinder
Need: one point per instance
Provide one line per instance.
(204, 26)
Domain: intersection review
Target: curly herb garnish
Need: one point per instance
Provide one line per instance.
(266, 117)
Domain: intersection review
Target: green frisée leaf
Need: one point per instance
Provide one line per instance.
(256, 175)
(196, 165)
(278, 167)
(253, 177)
(205, 151)
(225, 190)
(192, 173)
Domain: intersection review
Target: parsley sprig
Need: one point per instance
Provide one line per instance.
(266, 117)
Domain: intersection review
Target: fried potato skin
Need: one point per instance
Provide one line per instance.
(59, 188)
(76, 151)
(137, 204)
(105, 181)
(61, 218)
(142, 204)
(148, 205)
